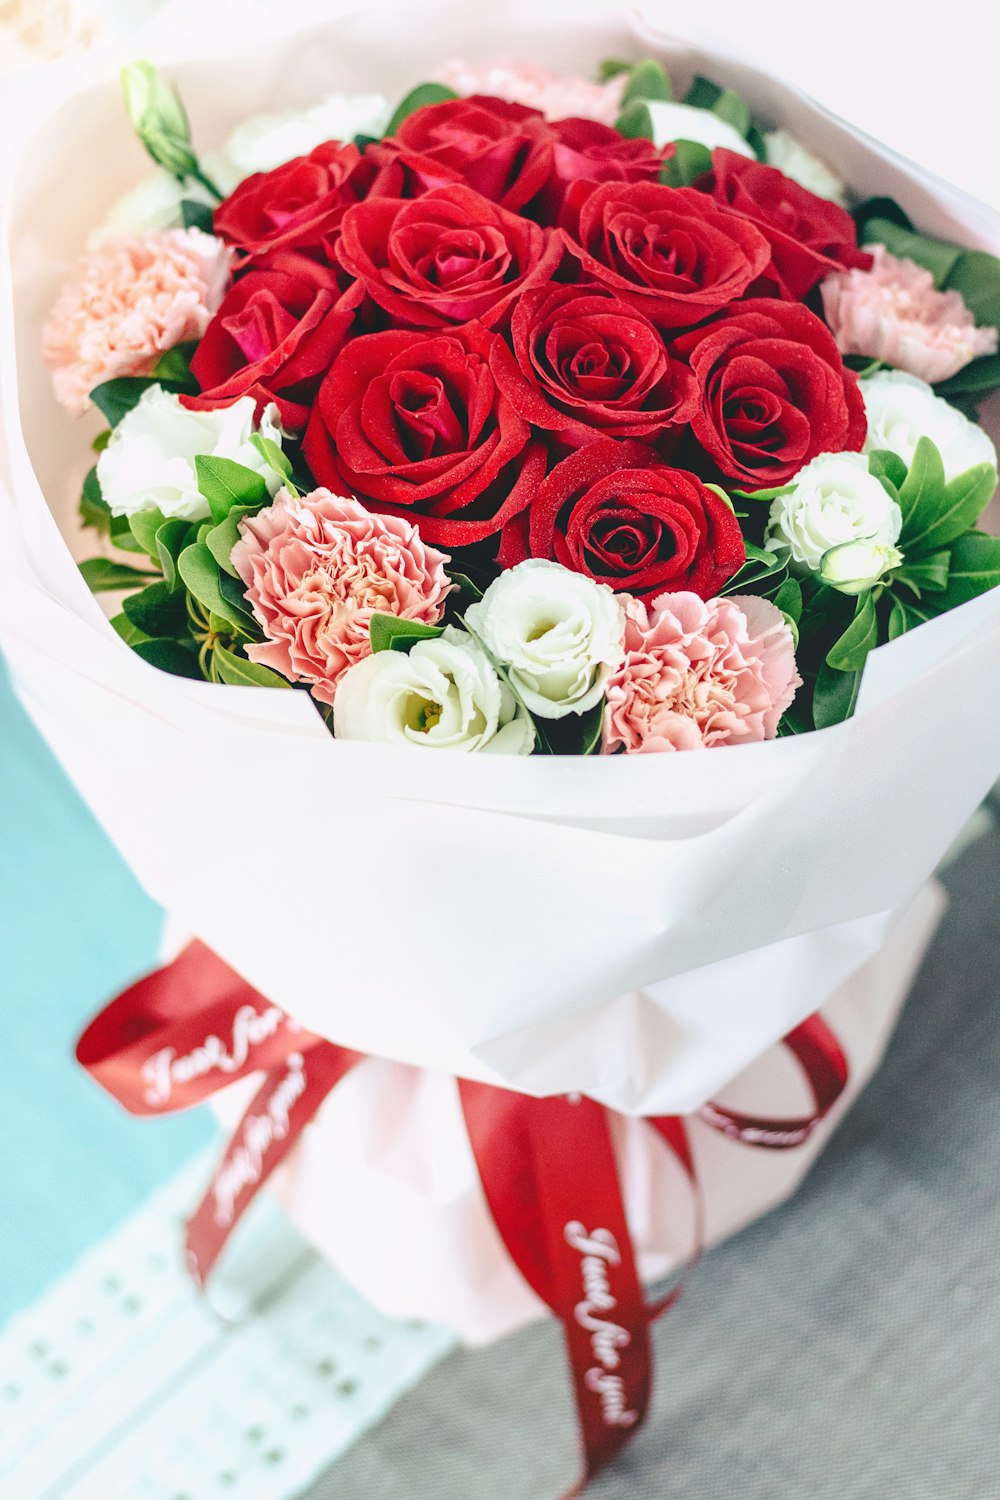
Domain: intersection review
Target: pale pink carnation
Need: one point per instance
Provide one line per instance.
(317, 567)
(697, 675)
(895, 313)
(558, 97)
(129, 301)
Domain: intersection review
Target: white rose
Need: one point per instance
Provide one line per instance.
(442, 693)
(834, 500)
(560, 635)
(684, 122)
(149, 461)
(804, 167)
(267, 141)
(902, 409)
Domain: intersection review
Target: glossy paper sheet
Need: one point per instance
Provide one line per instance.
(635, 928)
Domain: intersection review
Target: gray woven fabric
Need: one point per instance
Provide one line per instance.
(846, 1347)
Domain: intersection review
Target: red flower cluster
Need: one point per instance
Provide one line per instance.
(510, 330)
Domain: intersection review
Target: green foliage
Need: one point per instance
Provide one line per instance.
(102, 576)
(611, 67)
(849, 652)
(177, 657)
(419, 98)
(647, 80)
(225, 483)
(200, 573)
(157, 611)
(390, 633)
(728, 105)
(174, 368)
(195, 215)
(690, 160)
(116, 398)
(234, 668)
(635, 121)
(834, 696)
(94, 509)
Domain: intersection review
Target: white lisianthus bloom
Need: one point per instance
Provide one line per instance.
(834, 499)
(902, 409)
(267, 141)
(149, 463)
(685, 122)
(854, 567)
(442, 693)
(803, 166)
(558, 634)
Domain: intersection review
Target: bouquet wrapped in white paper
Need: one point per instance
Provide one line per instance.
(636, 929)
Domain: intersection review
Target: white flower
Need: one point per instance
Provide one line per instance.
(834, 500)
(853, 567)
(155, 201)
(803, 166)
(267, 141)
(442, 693)
(149, 461)
(902, 409)
(559, 634)
(684, 122)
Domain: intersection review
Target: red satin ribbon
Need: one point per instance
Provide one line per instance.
(547, 1166)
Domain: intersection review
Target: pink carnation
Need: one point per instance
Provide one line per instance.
(558, 97)
(130, 301)
(317, 568)
(895, 313)
(697, 675)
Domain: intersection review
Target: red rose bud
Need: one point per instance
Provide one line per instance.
(414, 422)
(774, 392)
(501, 150)
(584, 362)
(809, 236)
(671, 252)
(617, 513)
(297, 205)
(273, 338)
(447, 257)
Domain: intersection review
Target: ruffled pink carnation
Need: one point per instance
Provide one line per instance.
(895, 313)
(130, 301)
(558, 97)
(316, 568)
(697, 675)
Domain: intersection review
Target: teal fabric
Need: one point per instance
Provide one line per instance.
(74, 929)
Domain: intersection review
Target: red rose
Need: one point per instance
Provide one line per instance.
(413, 421)
(583, 362)
(273, 338)
(502, 150)
(587, 151)
(773, 392)
(668, 251)
(448, 257)
(809, 236)
(297, 205)
(617, 513)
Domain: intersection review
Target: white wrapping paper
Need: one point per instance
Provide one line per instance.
(639, 929)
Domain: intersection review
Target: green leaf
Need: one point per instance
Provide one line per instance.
(635, 122)
(611, 67)
(170, 656)
(225, 483)
(116, 398)
(120, 532)
(764, 496)
(174, 367)
(759, 147)
(647, 80)
(390, 633)
(130, 634)
(157, 611)
(195, 215)
(886, 465)
(975, 568)
(703, 93)
(921, 494)
(960, 507)
(759, 568)
(171, 539)
(221, 540)
(101, 441)
(419, 98)
(835, 696)
(144, 524)
(905, 616)
(690, 160)
(200, 573)
(978, 378)
(233, 590)
(934, 255)
(469, 591)
(734, 110)
(976, 275)
(94, 509)
(922, 573)
(239, 672)
(850, 652)
(879, 208)
(102, 576)
(789, 599)
(274, 456)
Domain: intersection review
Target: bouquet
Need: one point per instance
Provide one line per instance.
(563, 412)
